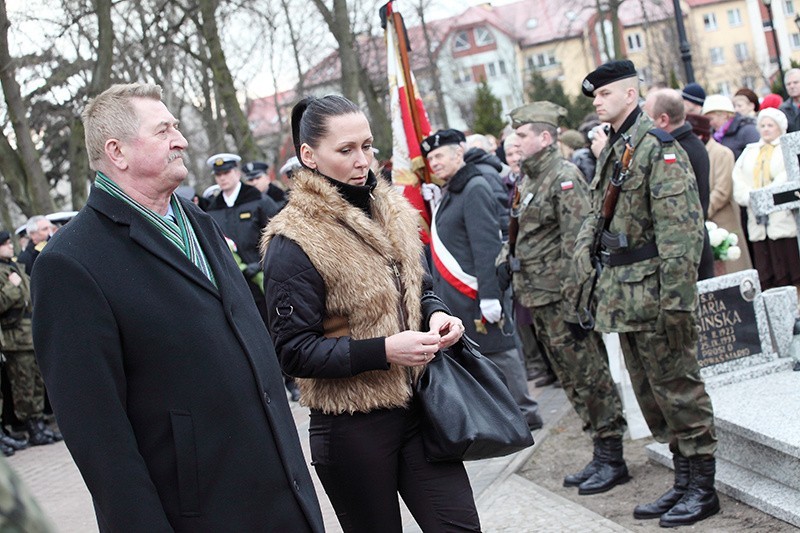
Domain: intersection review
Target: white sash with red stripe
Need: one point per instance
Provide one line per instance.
(449, 268)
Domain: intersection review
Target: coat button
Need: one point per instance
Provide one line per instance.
(296, 485)
(267, 398)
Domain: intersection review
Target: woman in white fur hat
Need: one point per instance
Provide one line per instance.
(776, 255)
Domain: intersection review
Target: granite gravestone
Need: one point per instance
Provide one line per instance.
(733, 331)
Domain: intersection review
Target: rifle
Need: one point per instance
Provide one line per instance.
(603, 222)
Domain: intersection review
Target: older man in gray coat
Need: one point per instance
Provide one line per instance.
(465, 240)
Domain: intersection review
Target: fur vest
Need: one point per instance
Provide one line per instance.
(373, 275)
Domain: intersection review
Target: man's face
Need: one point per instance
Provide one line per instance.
(228, 180)
(155, 153)
(661, 120)
(530, 142)
(43, 230)
(261, 182)
(446, 161)
(513, 155)
(691, 107)
(611, 101)
(793, 85)
(6, 250)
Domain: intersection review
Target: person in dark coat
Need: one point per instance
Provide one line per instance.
(791, 81)
(665, 107)
(39, 230)
(255, 174)
(493, 170)
(242, 213)
(161, 373)
(465, 241)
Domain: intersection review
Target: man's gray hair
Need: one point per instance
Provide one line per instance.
(479, 141)
(111, 115)
(33, 223)
(790, 72)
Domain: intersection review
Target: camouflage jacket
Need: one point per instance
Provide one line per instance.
(15, 309)
(554, 199)
(658, 203)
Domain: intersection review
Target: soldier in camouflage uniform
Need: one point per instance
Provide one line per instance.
(553, 200)
(27, 387)
(647, 290)
(19, 512)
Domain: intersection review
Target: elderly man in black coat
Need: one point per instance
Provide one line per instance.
(161, 373)
(666, 108)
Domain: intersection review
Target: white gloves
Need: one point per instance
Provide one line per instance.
(491, 310)
(431, 192)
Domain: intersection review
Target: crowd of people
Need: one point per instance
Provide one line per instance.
(166, 323)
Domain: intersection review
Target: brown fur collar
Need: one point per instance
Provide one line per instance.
(355, 255)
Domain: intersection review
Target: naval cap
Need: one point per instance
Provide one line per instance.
(222, 162)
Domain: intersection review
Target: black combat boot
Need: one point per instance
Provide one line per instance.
(52, 433)
(612, 470)
(6, 450)
(36, 434)
(573, 480)
(667, 500)
(700, 501)
(9, 441)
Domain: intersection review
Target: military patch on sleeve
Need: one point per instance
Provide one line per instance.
(670, 158)
(567, 185)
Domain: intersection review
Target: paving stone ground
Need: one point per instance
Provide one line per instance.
(506, 502)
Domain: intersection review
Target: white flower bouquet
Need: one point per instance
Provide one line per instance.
(723, 242)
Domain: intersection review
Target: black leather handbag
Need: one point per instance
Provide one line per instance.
(468, 412)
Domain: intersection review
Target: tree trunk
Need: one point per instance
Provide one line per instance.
(434, 71)
(236, 119)
(338, 22)
(37, 188)
(379, 119)
(301, 76)
(14, 175)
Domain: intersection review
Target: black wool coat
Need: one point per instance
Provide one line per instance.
(167, 390)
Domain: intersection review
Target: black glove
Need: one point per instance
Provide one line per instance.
(504, 275)
(252, 269)
(679, 326)
(577, 331)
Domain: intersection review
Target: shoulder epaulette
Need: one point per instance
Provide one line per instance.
(662, 135)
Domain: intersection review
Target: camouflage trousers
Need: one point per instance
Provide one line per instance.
(671, 393)
(27, 386)
(582, 368)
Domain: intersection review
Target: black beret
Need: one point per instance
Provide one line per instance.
(4, 236)
(254, 169)
(439, 139)
(607, 73)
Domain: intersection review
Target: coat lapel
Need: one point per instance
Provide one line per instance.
(145, 235)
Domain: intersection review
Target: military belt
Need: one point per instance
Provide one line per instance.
(629, 257)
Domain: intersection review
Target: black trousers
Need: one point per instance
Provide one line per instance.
(365, 459)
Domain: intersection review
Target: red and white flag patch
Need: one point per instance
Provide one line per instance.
(567, 185)
(670, 158)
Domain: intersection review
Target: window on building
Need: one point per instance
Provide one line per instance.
(483, 36)
(710, 21)
(740, 49)
(788, 7)
(461, 41)
(724, 88)
(541, 60)
(634, 42)
(749, 82)
(502, 66)
(734, 17)
(717, 55)
(794, 40)
(492, 70)
(463, 75)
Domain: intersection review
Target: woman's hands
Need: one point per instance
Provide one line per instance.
(450, 328)
(415, 348)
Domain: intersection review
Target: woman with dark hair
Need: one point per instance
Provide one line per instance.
(354, 319)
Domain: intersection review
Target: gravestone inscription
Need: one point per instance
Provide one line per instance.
(727, 325)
